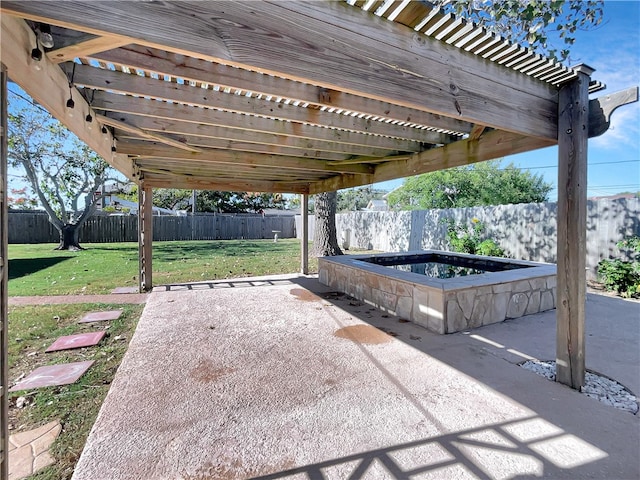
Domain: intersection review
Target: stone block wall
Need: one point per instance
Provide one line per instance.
(443, 306)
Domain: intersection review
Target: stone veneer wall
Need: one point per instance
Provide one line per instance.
(460, 305)
(489, 304)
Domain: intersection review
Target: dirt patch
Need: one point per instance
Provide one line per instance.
(363, 334)
(206, 372)
(304, 295)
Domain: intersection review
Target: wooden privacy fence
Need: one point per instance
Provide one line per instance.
(32, 227)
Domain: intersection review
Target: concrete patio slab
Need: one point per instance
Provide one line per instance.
(52, 375)
(101, 316)
(284, 380)
(29, 451)
(76, 341)
(125, 290)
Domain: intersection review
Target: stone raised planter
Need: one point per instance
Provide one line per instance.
(444, 305)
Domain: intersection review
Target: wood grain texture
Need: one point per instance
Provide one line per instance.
(142, 133)
(86, 48)
(232, 158)
(173, 181)
(235, 135)
(573, 129)
(601, 108)
(197, 70)
(329, 44)
(243, 146)
(170, 111)
(4, 269)
(50, 88)
(304, 240)
(132, 84)
(493, 144)
(145, 237)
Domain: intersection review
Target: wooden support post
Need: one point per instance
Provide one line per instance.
(573, 133)
(4, 264)
(145, 236)
(304, 214)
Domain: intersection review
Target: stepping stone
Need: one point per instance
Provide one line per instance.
(76, 341)
(29, 451)
(125, 290)
(51, 375)
(101, 316)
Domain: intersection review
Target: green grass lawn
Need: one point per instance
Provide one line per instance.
(40, 270)
(31, 330)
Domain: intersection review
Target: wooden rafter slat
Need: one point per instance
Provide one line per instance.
(50, 88)
(152, 108)
(193, 68)
(85, 49)
(144, 134)
(351, 52)
(172, 181)
(240, 146)
(212, 156)
(178, 127)
(118, 82)
(493, 144)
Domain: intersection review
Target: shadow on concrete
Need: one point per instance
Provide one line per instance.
(20, 267)
(547, 429)
(564, 446)
(450, 455)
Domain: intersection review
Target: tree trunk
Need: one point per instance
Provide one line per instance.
(325, 240)
(69, 238)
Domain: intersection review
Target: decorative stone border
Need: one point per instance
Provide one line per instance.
(444, 305)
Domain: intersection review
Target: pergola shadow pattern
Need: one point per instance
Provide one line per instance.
(303, 97)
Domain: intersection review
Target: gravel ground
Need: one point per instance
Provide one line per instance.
(596, 386)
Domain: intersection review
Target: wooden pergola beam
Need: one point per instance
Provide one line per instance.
(174, 181)
(197, 70)
(145, 237)
(330, 44)
(240, 136)
(120, 82)
(4, 280)
(220, 144)
(171, 111)
(148, 135)
(233, 158)
(573, 133)
(493, 144)
(85, 48)
(48, 85)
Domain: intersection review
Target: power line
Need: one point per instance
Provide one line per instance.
(28, 100)
(590, 164)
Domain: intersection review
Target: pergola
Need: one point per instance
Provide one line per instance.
(303, 97)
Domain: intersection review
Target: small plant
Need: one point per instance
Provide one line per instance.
(620, 276)
(469, 239)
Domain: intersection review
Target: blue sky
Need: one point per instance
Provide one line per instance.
(613, 50)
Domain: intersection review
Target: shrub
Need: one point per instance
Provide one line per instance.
(469, 239)
(620, 276)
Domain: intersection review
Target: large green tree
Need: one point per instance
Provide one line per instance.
(352, 199)
(62, 172)
(547, 27)
(218, 201)
(486, 183)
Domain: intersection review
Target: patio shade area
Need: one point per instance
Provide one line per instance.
(279, 378)
(302, 97)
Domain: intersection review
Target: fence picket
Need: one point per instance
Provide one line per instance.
(34, 227)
